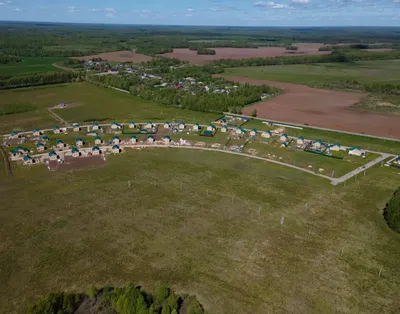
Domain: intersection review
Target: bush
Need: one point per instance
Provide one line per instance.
(292, 47)
(392, 212)
(205, 51)
(254, 113)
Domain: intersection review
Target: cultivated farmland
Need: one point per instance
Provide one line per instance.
(30, 65)
(179, 221)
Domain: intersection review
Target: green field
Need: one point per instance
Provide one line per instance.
(207, 224)
(317, 74)
(92, 103)
(30, 65)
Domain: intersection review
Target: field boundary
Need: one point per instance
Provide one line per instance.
(314, 127)
(7, 164)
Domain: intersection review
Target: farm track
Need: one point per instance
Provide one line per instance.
(329, 109)
(62, 67)
(7, 163)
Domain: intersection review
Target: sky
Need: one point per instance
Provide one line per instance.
(207, 12)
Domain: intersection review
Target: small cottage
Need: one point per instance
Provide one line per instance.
(317, 144)
(132, 140)
(39, 147)
(150, 139)
(240, 131)
(57, 130)
(116, 149)
(196, 127)
(116, 140)
(96, 150)
(285, 144)
(53, 155)
(60, 144)
(13, 135)
(97, 140)
(149, 125)
(335, 147)
(224, 129)
(115, 126)
(300, 140)
(28, 160)
(355, 151)
(132, 125)
(181, 126)
(167, 125)
(211, 127)
(45, 138)
(75, 152)
(36, 132)
(253, 132)
(79, 142)
(266, 134)
(95, 126)
(166, 139)
(75, 127)
(284, 137)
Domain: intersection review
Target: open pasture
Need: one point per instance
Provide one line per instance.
(206, 223)
(92, 104)
(31, 65)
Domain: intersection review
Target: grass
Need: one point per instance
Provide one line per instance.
(30, 65)
(384, 103)
(219, 237)
(385, 71)
(94, 103)
(333, 137)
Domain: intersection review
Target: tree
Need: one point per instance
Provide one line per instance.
(254, 113)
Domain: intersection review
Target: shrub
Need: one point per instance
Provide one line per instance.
(254, 113)
(392, 212)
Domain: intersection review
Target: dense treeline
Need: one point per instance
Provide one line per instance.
(325, 48)
(392, 212)
(7, 59)
(129, 300)
(336, 56)
(36, 79)
(205, 51)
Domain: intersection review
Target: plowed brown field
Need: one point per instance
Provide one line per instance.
(243, 53)
(322, 108)
(119, 56)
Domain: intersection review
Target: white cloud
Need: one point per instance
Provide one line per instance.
(270, 4)
(17, 10)
(103, 10)
(109, 9)
(110, 15)
(190, 9)
(301, 1)
(73, 9)
(188, 15)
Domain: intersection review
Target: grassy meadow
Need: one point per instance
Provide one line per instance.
(30, 65)
(207, 224)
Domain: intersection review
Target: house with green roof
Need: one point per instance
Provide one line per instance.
(300, 140)
(149, 125)
(132, 125)
(240, 131)
(45, 138)
(335, 147)
(150, 139)
(285, 144)
(13, 135)
(317, 144)
(75, 152)
(78, 142)
(284, 137)
(39, 147)
(97, 140)
(115, 149)
(166, 139)
(196, 127)
(116, 140)
(115, 125)
(75, 127)
(181, 125)
(224, 129)
(133, 139)
(28, 160)
(211, 127)
(266, 134)
(60, 144)
(95, 126)
(96, 150)
(56, 130)
(53, 155)
(167, 125)
(253, 132)
(36, 132)
(355, 151)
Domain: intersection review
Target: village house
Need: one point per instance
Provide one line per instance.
(95, 126)
(39, 147)
(149, 125)
(115, 126)
(317, 144)
(224, 129)
(167, 125)
(116, 140)
(335, 147)
(166, 139)
(75, 127)
(355, 151)
(96, 150)
(13, 135)
(45, 138)
(79, 142)
(266, 134)
(97, 140)
(132, 125)
(150, 139)
(36, 132)
(56, 130)
(181, 125)
(300, 140)
(196, 127)
(60, 144)
(116, 149)
(240, 131)
(285, 144)
(253, 132)
(283, 137)
(133, 140)
(75, 152)
(53, 155)
(211, 127)
(28, 160)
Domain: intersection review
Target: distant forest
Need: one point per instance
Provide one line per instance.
(66, 40)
